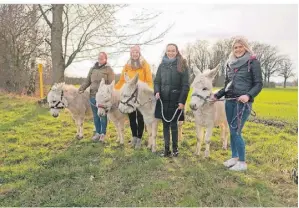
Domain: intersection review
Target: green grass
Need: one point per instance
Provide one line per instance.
(43, 165)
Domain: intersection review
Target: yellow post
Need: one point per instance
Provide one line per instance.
(41, 85)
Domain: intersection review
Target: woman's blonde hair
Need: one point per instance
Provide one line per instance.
(243, 41)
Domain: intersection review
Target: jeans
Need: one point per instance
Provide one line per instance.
(100, 122)
(236, 140)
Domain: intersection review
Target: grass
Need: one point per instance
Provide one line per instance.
(43, 165)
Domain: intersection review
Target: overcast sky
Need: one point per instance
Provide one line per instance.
(273, 24)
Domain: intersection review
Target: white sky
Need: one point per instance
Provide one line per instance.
(274, 24)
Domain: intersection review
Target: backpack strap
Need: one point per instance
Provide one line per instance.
(252, 57)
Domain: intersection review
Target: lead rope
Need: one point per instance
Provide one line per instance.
(173, 114)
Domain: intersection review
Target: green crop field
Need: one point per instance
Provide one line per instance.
(41, 164)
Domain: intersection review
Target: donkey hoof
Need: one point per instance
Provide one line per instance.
(79, 137)
(207, 154)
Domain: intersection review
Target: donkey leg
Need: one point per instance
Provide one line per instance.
(81, 120)
(180, 129)
(223, 136)
(121, 126)
(154, 135)
(116, 125)
(79, 125)
(208, 141)
(149, 131)
(199, 134)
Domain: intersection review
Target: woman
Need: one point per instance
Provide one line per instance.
(171, 86)
(100, 70)
(243, 82)
(136, 65)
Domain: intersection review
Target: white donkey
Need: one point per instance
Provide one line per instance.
(207, 114)
(107, 100)
(66, 96)
(138, 95)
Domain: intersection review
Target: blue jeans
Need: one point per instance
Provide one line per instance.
(237, 142)
(100, 122)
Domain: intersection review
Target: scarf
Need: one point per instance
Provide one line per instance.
(235, 62)
(167, 60)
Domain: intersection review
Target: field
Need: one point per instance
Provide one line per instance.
(41, 164)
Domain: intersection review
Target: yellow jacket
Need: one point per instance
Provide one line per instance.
(144, 72)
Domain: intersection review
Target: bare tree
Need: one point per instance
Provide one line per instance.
(285, 70)
(19, 41)
(269, 58)
(201, 54)
(80, 31)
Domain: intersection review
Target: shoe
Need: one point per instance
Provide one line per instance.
(102, 138)
(96, 137)
(138, 143)
(239, 166)
(231, 162)
(133, 142)
(175, 153)
(166, 154)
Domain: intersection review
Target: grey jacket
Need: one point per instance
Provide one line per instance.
(94, 78)
(245, 80)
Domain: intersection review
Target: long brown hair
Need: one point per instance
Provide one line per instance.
(182, 64)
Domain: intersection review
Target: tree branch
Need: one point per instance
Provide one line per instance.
(44, 15)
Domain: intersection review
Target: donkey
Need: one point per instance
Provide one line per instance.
(107, 100)
(138, 95)
(207, 114)
(63, 96)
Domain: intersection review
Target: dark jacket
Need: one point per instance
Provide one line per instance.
(245, 80)
(94, 78)
(173, 87)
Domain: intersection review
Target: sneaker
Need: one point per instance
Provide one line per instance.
(102, 138)
(175, 153)
(231, 162)
(239, 166)
(96, 137)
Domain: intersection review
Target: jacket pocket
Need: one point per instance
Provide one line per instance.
(175, 95)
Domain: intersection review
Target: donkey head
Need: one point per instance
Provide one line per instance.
(56, 99)
(104, 97)
(202, 87)
(129, 95)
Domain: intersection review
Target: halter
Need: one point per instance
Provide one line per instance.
(205, 99)
(107, 108)
(134, 95)
(59, 102)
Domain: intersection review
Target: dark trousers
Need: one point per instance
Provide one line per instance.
(174, 132)
(137, 127)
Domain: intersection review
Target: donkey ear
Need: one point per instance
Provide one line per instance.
(127, 78)
(135, 79)
(196, 71)
(212, 73)
(102, 82)
(112, 85)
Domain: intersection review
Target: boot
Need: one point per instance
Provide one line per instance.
(133, 141)
(138, 143)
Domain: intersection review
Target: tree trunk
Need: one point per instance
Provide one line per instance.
(285, 83)
(33, 67)
(56, 44)
(265, 79)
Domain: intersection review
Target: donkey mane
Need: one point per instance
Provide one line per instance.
(142, 86)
